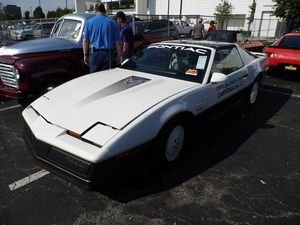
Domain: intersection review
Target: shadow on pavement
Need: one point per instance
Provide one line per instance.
(287, 75)
(208, 148)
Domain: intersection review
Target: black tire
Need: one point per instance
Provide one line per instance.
(252, 93)
(25, 101)
(171, 143)
(28, 37)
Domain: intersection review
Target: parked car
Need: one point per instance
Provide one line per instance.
(233, 36)
(284, 54)
(151, 31)
(22, 33)
(296, 30)
(43, 29)
(183, 27)
(30, 68)
(95, 127)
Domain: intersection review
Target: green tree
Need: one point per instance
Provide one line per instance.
(51, 14)
(26, 15)
(288, 10)
(2, 15)
(60, 12)
(223, 13)
(38, 13)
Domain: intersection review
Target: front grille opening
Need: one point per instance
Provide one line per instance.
(7, 76)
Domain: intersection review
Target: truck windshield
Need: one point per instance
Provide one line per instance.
(67, 29)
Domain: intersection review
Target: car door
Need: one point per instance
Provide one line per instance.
(229, 62)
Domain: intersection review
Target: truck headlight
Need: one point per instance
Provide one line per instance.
(16, 73)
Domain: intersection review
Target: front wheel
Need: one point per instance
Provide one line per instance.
(171, 143)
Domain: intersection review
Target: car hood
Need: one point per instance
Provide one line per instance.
(40, 45)
(114, 98)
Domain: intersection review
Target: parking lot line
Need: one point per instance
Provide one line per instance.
(281, 93)
(27, 180)
(10, 107)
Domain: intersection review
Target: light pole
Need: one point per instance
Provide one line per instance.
(39, 3)
(66, 4)
(180, 10)
(168, 18)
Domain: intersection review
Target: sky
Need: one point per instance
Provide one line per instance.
(47, 5)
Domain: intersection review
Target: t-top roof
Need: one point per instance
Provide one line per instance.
(211, 44)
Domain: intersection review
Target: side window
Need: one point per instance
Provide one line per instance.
(227, 61)
(184, 23)
(150, 28)
(247, 56)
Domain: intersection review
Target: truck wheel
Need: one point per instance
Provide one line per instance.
(25, 101)
(48, 87)
(28, 37)
(171, 143)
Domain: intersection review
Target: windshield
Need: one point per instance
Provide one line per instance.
(139, 27)
(290, 42)
(175, 61)
(69, 29)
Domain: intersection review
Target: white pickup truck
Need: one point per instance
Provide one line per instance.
(183, 27)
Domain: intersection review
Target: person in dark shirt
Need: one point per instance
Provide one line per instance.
(101, 37)
(198, 31)
(126, 35)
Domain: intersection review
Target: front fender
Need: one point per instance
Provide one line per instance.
(35, 68)
(144, 129)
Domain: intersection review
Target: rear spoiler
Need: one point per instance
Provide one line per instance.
(259, 54)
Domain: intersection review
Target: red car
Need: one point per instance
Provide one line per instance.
(284, 54)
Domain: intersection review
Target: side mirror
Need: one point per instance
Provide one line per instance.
(146, 30)
(124, 62)
(218, 77)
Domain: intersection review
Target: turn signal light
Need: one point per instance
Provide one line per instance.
(270, 54)
(73, 134)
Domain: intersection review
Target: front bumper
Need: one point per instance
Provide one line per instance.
(11, 92)
(80, 172)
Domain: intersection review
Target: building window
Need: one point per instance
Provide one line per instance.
(120, 4)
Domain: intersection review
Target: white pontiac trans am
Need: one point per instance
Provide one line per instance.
(94, 126)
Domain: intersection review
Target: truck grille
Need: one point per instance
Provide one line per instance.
(7, 75)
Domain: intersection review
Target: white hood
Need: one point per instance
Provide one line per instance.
(114, 97)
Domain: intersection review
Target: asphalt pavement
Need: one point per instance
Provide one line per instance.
(244, 169)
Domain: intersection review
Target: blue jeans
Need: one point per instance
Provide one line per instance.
(101, 59)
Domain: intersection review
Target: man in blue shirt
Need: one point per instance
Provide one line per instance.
(101, 38)
(126, 35)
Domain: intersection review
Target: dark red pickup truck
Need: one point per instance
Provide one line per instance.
(31, 68)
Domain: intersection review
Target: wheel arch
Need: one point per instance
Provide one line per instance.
(185, 115)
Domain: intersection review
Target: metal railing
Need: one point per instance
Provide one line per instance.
(264, 29)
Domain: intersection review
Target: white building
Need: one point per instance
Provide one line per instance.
(264, 25)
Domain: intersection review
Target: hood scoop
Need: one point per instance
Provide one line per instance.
(122, 85)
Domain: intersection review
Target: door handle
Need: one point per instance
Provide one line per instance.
(245, 76)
